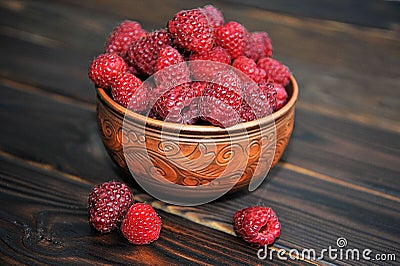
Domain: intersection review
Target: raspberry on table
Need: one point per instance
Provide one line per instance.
(249, 68)
(141, 225)
(144, 52)
(128, 90)
(258, 45)
(232, 37)
(105, 68)
(206, 69)
(276, 71)
(108, 204)
(191, 30)
(220, 105)
(214, 15)
(173, 66)
(180, 104)
(257, 225)
(121, 38)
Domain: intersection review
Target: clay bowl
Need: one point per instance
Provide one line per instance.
(160, 152)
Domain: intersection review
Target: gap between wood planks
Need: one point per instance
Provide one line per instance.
(374, 122)
(171, 209)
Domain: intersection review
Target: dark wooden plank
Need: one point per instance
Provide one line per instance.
(45, 221)
(370, 13)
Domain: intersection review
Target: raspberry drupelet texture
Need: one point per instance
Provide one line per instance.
(214, 15)
(173, 66)
(192, 30)
(257, 225)
(105, 68)
(205, 67)
(122, 37)
(232, 37)
(220, 105)
(108, 204)
(249, 68)
(143, 54)
(128, 91)
(276, 71)
(256, 104)
(141, 224)
(258, 46)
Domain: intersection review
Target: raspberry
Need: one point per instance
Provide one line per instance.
(175, 70)
(269, 91)
(108, 204)
(232, 37)
(257, 225)
(143, 53)
(249, 68)
(121, 38)
(105, 68)
(258, 46)
(256, 104)
(276, 71)
(214, 16)
(141, 224)
(206, 70)
(220, 105)
(281, 96)
(191, 30)
(128, 91)
(180, 104)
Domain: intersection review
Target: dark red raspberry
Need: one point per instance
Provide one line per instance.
(268, 88)
(191, 30)
(249, 68)
(256, 104)
(276, 71)
(128, 91)
(121, 38)
(214, 15)
(143, 53)
(281, 96)
(257, 225)
(206, 70)
(232, 37)
(141, 225)
(105, 68)
(258, 46)
(108, 204)
(180, 104)
(220, 105)
(175, 71)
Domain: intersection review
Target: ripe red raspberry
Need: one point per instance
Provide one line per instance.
(214, 15)
(141, 224)
(249, 68)
(258, 46)
(232, 37)
(206, 70)
(220, 105)
(105, 68)
(256, 104)
(276, 71)
(108, 204)
(281, 96)
(268, 88)
(175, 71)
(191, 30)
(121, 38)
(180, 104)
(143, 53)
(128, 91)
(257, 225)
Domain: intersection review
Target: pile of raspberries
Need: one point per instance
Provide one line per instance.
(197, 70)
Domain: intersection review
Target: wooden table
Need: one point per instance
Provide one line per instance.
(339, 176)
